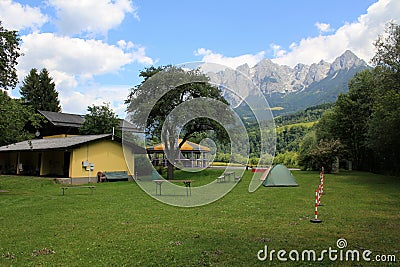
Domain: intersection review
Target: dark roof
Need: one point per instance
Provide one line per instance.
(76, 120)
(63, 119)
(62, 143)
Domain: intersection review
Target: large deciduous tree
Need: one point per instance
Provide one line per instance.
(38, 90)
(99, 120)
(151, 112)
(14, 119)
(366, 120)
(384, 125)
(9, 53)
(348, 121)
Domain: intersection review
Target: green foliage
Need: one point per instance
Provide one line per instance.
(314, 153)
(14, 119)
(288, 158)
(9, 53)
(150, 111)
(100, 120)
(310, 114)
(38, 90)
(384, 127)
(325, 153)
(388, 49)
(348, 121)
(307, 144)
(222, 157)
(289, 138)
(384, 123)
(366, 120)
(143, 95)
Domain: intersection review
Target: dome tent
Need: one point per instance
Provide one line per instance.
(279, 175)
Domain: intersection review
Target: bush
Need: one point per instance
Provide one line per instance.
(289, 159)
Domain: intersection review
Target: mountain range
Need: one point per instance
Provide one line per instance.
(288, 89)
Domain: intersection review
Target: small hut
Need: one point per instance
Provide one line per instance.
(192, 155)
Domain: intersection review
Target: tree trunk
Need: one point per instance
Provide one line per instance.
(170, 171)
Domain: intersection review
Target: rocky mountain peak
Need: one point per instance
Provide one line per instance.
(347, 61)
(272, 78)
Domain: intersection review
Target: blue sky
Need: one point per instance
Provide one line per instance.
(95, 49)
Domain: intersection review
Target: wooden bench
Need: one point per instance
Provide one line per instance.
(237, 179)
(226, 176)
(91, 187)
(116, 176)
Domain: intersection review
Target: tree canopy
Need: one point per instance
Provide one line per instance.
(14, 119)
(38, 90)
(99, 120)
(9, 53)
(366, 120)
(176, 86)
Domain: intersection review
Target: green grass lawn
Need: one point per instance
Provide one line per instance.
(120, 225)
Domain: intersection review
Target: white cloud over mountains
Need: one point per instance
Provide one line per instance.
(79, 50)
(357, 36)
(233, 62)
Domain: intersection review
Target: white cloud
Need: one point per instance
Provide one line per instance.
(357, 36)
(15, 16)
(71, 56)
(70, 60)
(233, 62)
(323, 27)
(125, 45)
(91, 17)
(139, 55)
(277, 50)
(77, 102)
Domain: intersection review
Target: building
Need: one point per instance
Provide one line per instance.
(60, 153)
(76, 157)
(192, 155)
(68, 124)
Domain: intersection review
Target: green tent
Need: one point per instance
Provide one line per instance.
(279, 175)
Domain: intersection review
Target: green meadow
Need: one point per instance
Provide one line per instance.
(120, 225)
(304, 124)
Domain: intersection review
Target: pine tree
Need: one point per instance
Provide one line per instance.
(38, 90)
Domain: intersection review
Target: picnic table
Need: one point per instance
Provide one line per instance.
(185, 182)
(227, 176)
(91, 187)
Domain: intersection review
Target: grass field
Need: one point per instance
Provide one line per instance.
(120, 225)
(276, 108)
(304, 124)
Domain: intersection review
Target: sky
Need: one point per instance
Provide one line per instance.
(95, 49)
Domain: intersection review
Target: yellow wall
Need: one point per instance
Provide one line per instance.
(106, 155)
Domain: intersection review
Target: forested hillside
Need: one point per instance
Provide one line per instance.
(290, 131)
